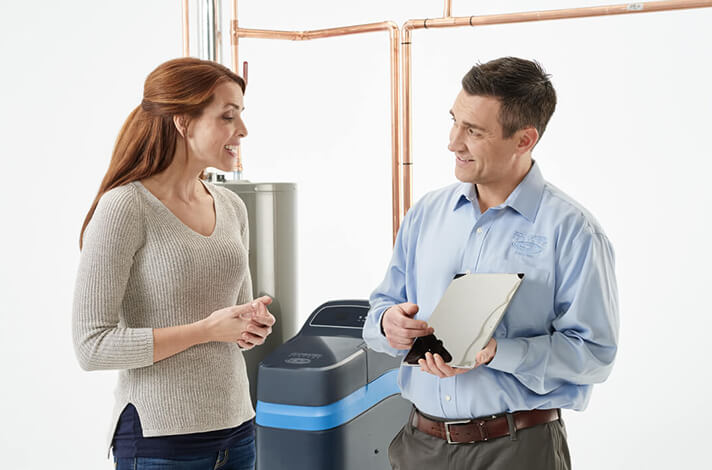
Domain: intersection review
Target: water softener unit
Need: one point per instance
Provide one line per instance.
(326, 401)
(323, 399)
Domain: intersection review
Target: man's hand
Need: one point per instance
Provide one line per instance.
(487, 354)
(401, 328)
(434, 364)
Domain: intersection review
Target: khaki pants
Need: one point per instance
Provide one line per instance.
(539, 447)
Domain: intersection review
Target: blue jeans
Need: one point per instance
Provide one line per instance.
(240, 457)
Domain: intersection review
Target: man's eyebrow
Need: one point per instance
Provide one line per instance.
(468, 124)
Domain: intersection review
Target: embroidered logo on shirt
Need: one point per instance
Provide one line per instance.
(528, 245)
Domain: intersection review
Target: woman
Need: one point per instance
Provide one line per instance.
(163, 289)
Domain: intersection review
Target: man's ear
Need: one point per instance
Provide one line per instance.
(527, 139)
(181, 123)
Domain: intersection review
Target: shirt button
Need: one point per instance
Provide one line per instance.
(479, 230)
(447, 398)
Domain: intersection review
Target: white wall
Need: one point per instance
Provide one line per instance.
(629, 140)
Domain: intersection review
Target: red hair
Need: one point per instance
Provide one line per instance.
(147, 141)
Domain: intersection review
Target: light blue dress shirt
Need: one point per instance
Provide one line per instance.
(559, 335)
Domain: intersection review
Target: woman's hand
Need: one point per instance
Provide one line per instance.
(260, 326)
(247, 325)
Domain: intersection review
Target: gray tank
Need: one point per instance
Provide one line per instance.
(272, 215)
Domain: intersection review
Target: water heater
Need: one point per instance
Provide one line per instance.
(272, 216)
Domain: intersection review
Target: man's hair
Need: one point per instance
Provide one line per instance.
(525, 93)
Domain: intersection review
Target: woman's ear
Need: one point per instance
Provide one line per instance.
(181, 123)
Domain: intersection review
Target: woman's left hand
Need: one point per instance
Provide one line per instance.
(260, 326)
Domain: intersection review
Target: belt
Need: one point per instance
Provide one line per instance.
(482, 429)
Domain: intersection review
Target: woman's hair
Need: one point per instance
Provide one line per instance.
(147, 141)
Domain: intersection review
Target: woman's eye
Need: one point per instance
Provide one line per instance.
(228, 118)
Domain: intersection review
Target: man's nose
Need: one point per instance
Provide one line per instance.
(456, 142)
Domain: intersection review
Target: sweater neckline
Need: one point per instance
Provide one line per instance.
(176, 220)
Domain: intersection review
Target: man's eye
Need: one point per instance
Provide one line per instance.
(473, 132)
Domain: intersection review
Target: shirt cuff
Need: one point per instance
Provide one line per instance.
(374, 337)
(509, 355)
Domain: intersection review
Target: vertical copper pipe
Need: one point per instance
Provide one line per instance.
(234, 38)
(447, 12)
(186, 30)
(234, 43)
(407, 115)
(394, 36)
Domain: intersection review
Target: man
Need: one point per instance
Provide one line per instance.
(559, 334)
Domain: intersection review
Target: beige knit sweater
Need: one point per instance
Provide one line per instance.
(142, 268)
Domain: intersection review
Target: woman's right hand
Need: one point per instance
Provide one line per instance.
(247, 325)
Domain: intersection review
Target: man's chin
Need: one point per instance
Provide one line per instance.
(465, 177)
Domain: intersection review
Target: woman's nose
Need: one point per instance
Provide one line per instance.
(242, 129)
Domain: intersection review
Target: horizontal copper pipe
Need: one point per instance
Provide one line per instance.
(522, 17)
(394, 34)
(318, 33)
(186, 30)
(567, 13)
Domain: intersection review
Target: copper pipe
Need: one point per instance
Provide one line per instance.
(186, 30)
(585, 12)
(234, 38)
(521, 17)
(317, 33)
(394, 46)
(234, 46)
(396, 218)
(407, 116)
(447, 12)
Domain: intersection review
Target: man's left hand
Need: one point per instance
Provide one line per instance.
(434, 363)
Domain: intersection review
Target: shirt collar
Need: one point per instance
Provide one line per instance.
(525, 198)
(464, 193)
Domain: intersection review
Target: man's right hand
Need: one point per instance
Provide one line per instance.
(401, 328)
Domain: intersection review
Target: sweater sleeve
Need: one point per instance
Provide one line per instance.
(112, 237)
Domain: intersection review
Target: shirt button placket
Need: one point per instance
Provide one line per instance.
(448, 397)
(478, 238)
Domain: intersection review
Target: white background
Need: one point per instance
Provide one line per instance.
(629, 140)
